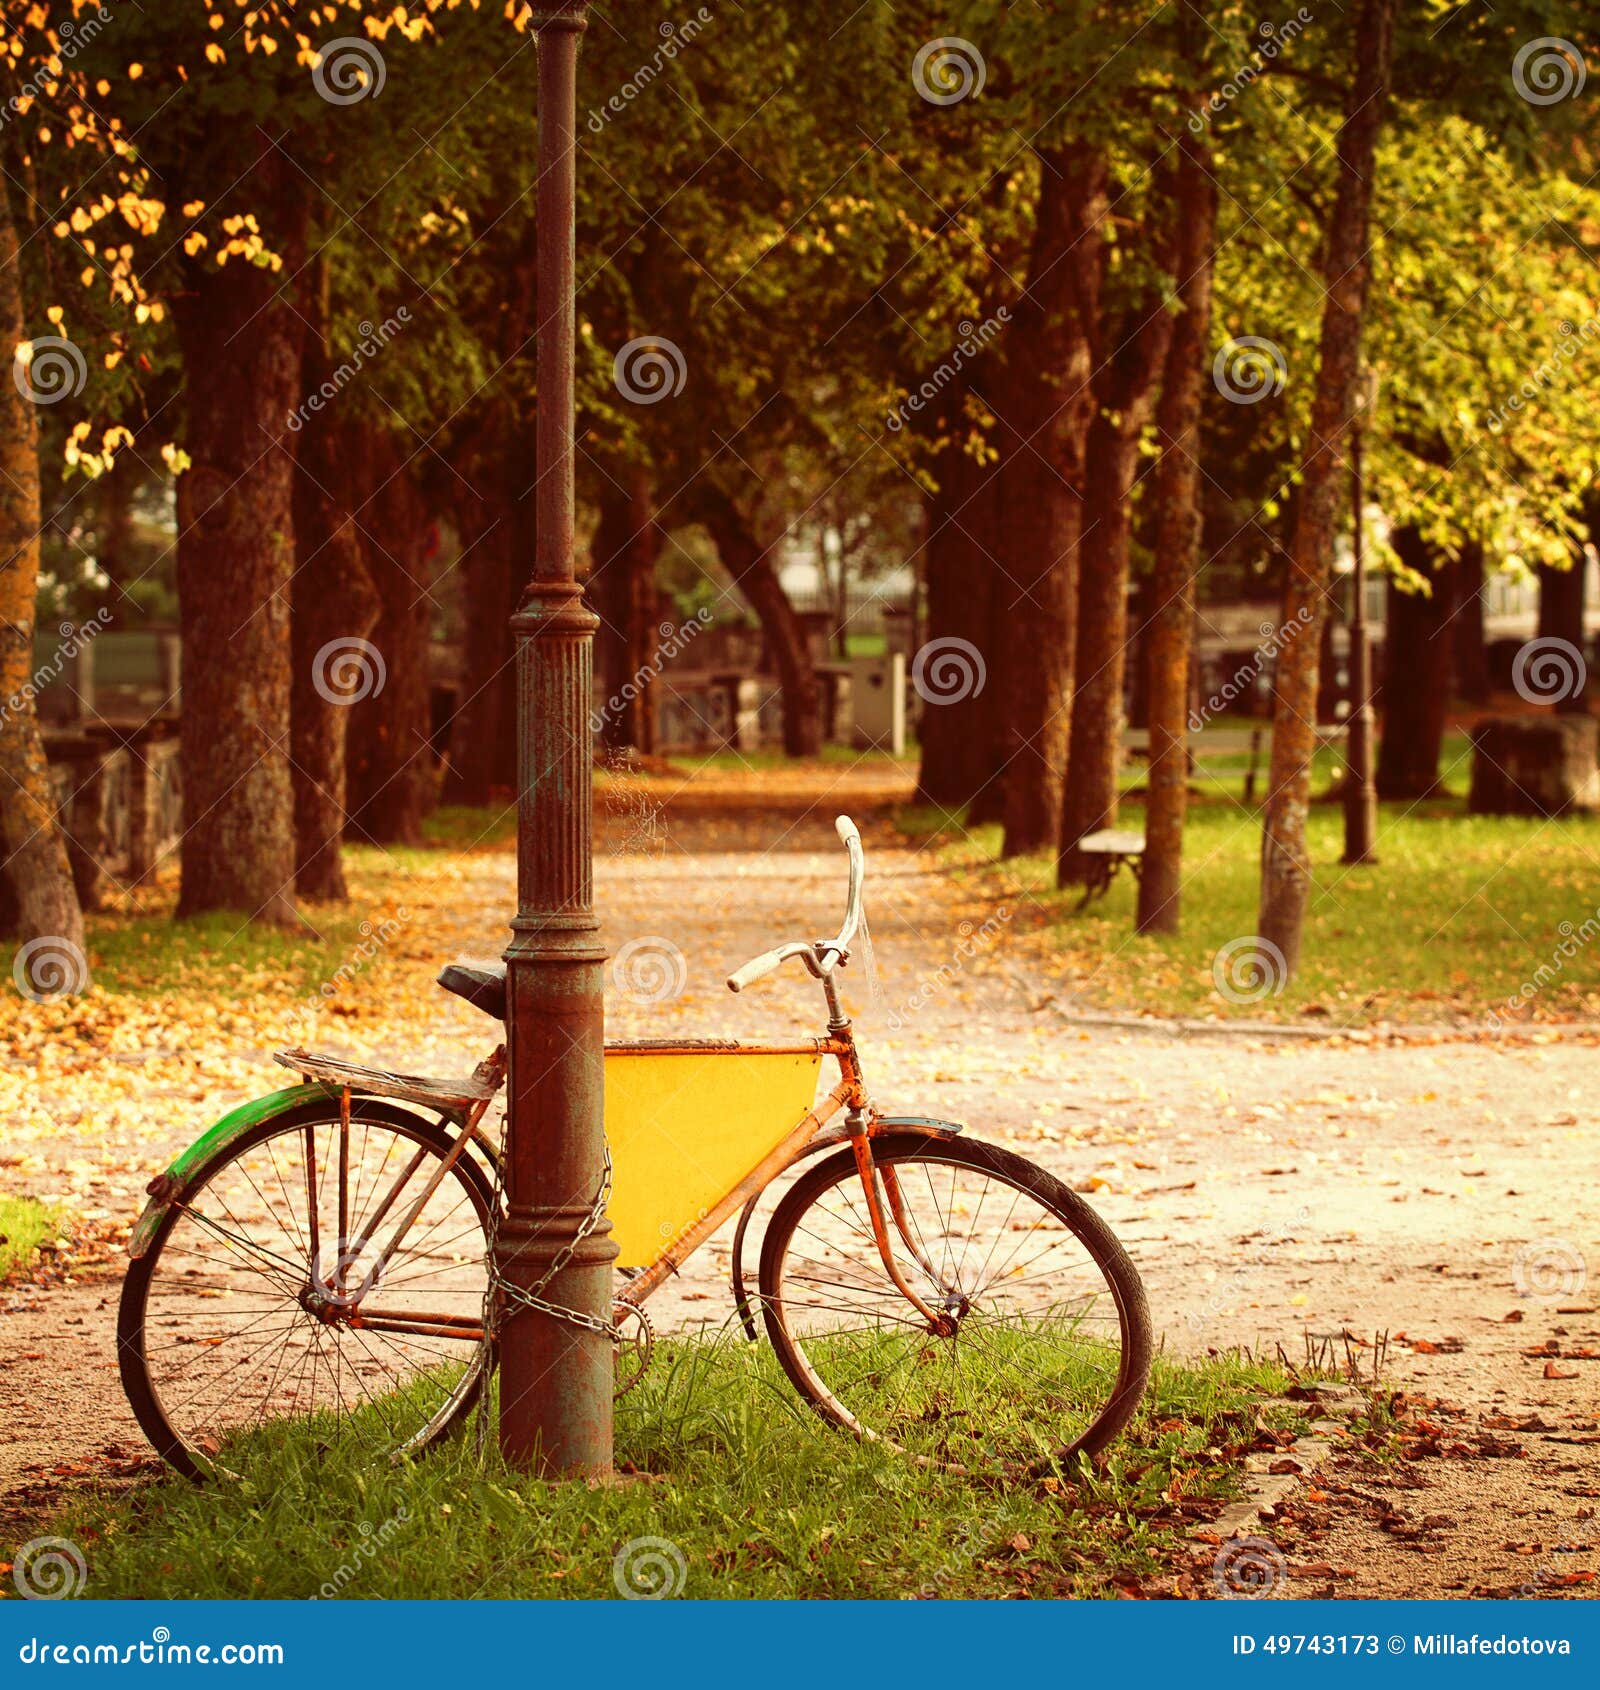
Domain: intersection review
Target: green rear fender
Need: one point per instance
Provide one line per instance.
(166, 1188)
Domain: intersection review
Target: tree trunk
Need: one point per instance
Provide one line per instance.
(1094, 755)
(1472, 659)
(841, 590)
(1176, 495)
(499, 531)
(1047, 411)
(988, 806)
(1285, 861)
(335, 607)
(44, 910)
(483, 737)
(1418, 656)
(957, 726)
(113, 540)
(391, 779)
(1330, 695)
(1140, 607)
(748, 561)
(1125, 390)
(1561, 618)
(241, 344)
(622, 587)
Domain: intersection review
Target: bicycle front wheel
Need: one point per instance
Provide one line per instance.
(1042, 1346)
(314, 1273)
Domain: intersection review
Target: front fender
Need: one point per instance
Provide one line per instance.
(917, 1124)
(167, 1187)
(829, 1140)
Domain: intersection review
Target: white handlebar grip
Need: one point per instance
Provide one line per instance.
(846, 829)
(753, 970)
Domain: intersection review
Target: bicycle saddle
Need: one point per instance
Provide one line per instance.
(482, 984)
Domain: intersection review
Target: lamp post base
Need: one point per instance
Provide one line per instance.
(561, 1368)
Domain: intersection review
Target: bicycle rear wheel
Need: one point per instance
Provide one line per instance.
(258, 1304)
(1045, 1345)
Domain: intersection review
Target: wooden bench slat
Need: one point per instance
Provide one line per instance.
(1111, 841)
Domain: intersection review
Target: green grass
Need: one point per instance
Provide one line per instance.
(148, 952)
(222, 954)
(1222, 762)
(1458, 914)
(754, 1494)
(774, 757)
(456, 827)
(25, 1224)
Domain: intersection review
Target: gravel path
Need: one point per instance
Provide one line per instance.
(1274, 1193)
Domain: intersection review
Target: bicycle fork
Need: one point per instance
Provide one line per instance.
(880, 1187)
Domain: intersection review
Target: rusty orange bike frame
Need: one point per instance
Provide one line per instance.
(862, 1122)
(811, 1134)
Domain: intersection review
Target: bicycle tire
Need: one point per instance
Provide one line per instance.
(1120, 1278)
(133, 1346)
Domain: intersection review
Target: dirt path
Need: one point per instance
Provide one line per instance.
(1273, 1192)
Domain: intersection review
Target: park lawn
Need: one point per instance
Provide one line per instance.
(458, 827)
(1222, 761)
(1459, 915)
(773, 757)
(25, 1224)
(147, 954)
(730, 1479)
(139, 948)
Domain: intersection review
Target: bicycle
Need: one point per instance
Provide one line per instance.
(322, 1254)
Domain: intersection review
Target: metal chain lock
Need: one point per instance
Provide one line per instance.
(498, 1290)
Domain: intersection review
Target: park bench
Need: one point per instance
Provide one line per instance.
(1106, 852)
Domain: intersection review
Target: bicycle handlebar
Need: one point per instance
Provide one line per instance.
(850, 836)
(825, 954)
(765, 963)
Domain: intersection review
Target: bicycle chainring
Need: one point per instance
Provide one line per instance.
(635, 1341)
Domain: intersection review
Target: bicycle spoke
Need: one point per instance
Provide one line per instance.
(225, 1364)
(1026, 1349)
(275, 1263)
(215, 1380)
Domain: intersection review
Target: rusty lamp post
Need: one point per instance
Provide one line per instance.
(554, 1254)
(1360, 792)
